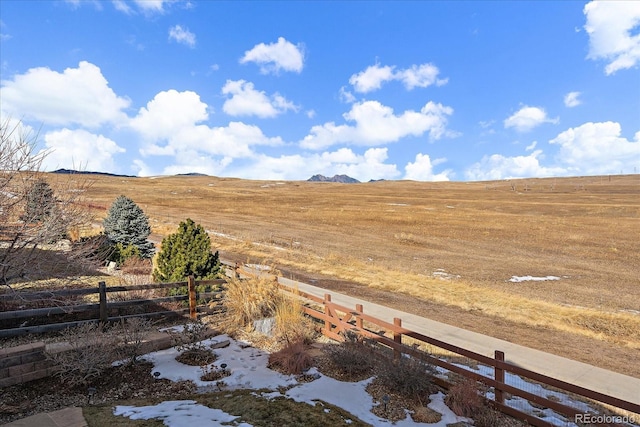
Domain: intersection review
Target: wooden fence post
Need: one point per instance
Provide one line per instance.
(192, 298)
(397, 337)
(327, 323)
(102, 291)
(360, 310)
(499, 377)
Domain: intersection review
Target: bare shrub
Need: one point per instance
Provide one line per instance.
(212, 373)
(90, 351)
(137, 266)
(293, 359)
(354, 358)
(132, 334)
(407, 376)
(190, 336)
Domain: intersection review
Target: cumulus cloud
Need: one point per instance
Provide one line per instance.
(376, 124)
(79, 149)
(182, 36)
(364, 167)
(589, 149)
(422, 169)
(79, 96)
(597, 148)
(247, 101)
(613, 33)
(374, 76)
(152, 5)
(171, 125)
(527, 118)
(282, 55)
(571, 99)
(497, 166)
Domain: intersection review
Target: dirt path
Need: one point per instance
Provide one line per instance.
(593, 352)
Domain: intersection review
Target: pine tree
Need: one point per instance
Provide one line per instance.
(40, 202)
(187, 252)
(127, 224)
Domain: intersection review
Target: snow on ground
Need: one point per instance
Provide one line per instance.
(248, 367)
(519, 279)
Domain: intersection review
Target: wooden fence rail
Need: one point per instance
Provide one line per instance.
(339, 319)
(102, 308)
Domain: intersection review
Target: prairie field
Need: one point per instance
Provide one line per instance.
(549, 263)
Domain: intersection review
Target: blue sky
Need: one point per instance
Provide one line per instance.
(425, 91)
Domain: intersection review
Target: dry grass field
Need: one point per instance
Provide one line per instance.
(444, 250)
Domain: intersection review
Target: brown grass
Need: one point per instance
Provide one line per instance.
(452, 244)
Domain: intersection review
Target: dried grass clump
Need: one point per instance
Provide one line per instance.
(247, 300)
(464, 398)
(291, 324)
(293, 359)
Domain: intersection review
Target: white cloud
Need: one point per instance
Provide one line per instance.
(182, 35)
(346, 96)
(531, 146)
(168, 113)
(122, 6)
(376, 124)
(498, 166)
(527, 118)
(152, 5)
(374, 76)
(611, 26)
(589, 149)
(171, 126)
(76, 96)
(247, 101)
(370, 165)
(597, 148)
(79, 149)
(422, 169)
(371, 78)
(282, 55)
(571, 99)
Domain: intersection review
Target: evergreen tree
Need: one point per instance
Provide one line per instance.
(187, 252)
(40, 202)
(127, 224)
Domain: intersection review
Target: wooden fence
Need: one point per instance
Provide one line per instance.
(339, 319)
(100, 310)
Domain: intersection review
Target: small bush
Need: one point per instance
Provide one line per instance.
(91, 351)
(190, 337)
(211, 373)
(136, 265)
(132, 334)
(293, 359)
(464, 398)
(355, 357)
(407, 376)
(197, 357)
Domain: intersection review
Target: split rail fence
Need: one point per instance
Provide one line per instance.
(100, 310)
(339, 319)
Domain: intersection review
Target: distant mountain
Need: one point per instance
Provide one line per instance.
(336, 178)
(192, 174)
(71, 171)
